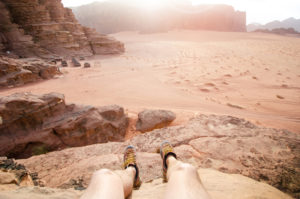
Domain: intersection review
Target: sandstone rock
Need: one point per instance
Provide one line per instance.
(50, 28)
(19, 72)
(40, 193)
(153, 119)
(64, 63)
(13, 38)
(101, 44)
(218, 185)
(34, 124)
(75, 62)
(87, 65)
(14, 175)
(224, 143)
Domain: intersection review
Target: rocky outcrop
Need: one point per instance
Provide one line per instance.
(149, 120)
(15, 72)
(118, 16)
(218, 185)
(224, 143)
(33, 124)
(102, 44)
(13, 175)
(46, 27)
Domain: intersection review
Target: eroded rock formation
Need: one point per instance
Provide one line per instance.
(32, 124)
(224, 143)
(43, 27)
(15, 72)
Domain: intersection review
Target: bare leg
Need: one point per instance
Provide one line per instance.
(183, 181)
(106, 184)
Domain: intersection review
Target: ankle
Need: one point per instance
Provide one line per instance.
(132, 171)
(170, 160)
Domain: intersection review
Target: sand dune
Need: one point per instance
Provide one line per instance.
(251, 75)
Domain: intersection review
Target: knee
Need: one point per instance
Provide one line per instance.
(185, 167)
(103, 172)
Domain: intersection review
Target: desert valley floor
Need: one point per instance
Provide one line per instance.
(250, 75)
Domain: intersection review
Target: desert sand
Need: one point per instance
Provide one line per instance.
(255, 76)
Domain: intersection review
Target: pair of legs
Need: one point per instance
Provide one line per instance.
(183, 181)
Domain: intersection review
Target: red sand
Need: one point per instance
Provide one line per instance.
(250, 75)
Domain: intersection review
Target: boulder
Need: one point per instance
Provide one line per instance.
(228, 144)
(37, 124)
(87, 65)
(64, 63)
(15, 72)
(153, 119)
(75, 62)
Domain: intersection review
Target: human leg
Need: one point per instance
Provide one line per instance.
(106, 184)
(183, 179)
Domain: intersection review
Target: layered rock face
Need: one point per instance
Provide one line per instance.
(32, 125)
(13, 38)
(15, 72)
(128, 17)
(224, 143)
(46, 24)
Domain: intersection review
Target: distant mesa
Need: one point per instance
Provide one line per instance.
(43, 28)
(117, 17)
(286, 24)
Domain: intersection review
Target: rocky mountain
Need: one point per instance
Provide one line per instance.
(288, 23)
(115, 16)
(44, 27)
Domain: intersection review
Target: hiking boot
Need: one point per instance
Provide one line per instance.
(130, 161)
(166, 150)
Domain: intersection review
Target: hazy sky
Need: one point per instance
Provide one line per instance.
(261, 11)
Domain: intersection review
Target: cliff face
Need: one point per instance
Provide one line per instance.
(219, 18)
(12, 37)
(118, 17)
(27, 26)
